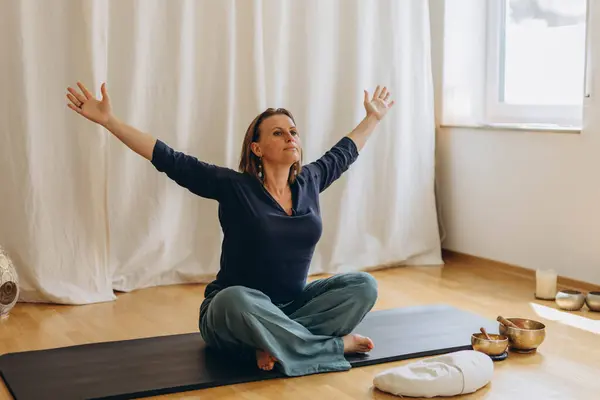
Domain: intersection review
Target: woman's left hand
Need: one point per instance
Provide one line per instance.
(379, 105)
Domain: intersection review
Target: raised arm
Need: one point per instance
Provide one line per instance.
(331, 165)
(138, 141)
(338, 159)
(100, 112)
(376, 108)
(203, 179)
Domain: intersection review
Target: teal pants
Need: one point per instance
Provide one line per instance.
(305, 335)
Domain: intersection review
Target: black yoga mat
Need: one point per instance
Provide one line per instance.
(169, 364)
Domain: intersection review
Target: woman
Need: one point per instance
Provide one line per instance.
(270, 216)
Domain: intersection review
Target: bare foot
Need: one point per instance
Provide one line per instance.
(265, 361)
(357, 344)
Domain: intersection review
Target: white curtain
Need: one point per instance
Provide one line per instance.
(81, 215)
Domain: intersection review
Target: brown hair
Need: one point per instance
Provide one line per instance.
(249, 162)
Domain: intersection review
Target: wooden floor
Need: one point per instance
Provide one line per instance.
(567, 365)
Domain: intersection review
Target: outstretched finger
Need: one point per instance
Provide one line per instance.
(383, 93)
(86, 92)
(75, 102)
(74, 108)
(387, 96)
(377, 92)
(77, 95)
(366, 98)
(104, 91)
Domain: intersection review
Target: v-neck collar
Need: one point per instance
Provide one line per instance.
(294, 193)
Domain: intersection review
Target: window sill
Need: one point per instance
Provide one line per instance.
(517, 127)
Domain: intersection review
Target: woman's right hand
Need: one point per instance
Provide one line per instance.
(83, 103)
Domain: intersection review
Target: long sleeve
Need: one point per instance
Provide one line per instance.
(333, 163)
(203, 179)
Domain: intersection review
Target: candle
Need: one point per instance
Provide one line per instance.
(545, 287)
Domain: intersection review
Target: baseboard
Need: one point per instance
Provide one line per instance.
(563, 282)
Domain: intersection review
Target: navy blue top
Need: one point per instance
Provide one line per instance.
(263, 247)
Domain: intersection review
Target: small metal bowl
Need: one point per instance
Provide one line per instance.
(495, 347)
(570, 300)
(526, 339)
(593, 301)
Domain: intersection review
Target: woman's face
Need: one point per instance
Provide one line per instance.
(278, 141)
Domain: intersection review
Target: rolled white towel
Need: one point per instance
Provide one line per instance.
(450, 374)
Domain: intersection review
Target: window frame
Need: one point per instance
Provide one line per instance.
(497, 112)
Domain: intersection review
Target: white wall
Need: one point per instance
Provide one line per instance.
(530, 199)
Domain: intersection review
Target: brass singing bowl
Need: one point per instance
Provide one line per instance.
(593, 301)
(495, 347)
(526, 339)
(570, 300)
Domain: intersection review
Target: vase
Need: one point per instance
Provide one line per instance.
(9, 284)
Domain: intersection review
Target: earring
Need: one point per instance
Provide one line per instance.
(260, 173)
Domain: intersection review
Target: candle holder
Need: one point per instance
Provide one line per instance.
(545, 284)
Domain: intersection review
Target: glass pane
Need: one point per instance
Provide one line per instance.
(544, 52)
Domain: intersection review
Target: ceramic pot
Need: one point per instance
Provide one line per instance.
(9, 284)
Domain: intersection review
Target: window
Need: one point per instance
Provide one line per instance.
(515, 62)
(536, 61)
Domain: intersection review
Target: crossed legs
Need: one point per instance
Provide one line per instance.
(310, 335)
